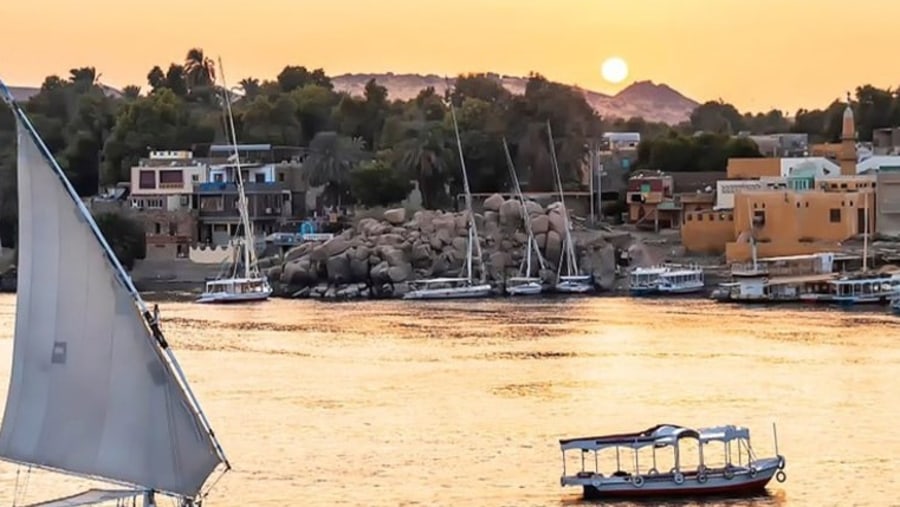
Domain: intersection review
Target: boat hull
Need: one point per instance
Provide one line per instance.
(715, 486)
(574, 287)
(525, 289)
(475, 291)
(687, 289)
(229, 297)
(642, 291)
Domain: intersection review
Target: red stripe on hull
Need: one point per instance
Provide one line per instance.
(744, 488)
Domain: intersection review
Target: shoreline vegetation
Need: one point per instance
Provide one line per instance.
(366, 149)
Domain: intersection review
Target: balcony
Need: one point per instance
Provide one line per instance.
(231, 188)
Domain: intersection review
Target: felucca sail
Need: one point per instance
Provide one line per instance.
(95, 391)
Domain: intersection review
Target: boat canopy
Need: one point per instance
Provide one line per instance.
(657, 436)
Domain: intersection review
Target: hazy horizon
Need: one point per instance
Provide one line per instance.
(770, 55)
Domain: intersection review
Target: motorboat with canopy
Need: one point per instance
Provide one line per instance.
(731, 469)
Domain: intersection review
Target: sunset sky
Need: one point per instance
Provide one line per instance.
(757, 55)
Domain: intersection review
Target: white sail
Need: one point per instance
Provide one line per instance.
(91, 392)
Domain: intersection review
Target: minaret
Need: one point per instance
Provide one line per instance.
(847, 157)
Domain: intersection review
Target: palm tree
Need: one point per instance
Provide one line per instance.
(199, 70)
(426, 156)
(330, 160)
(250, 87)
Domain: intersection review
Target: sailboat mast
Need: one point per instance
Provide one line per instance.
(572, 265)
(525, 216)
(150, 319)
(248, 245)
(473, 236)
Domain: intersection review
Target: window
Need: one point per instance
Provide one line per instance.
(280, 176)
(835, 215)
(147, 179)
(171, 178)
(219, 178)
(195, 178)
(259, 178)
(173, 229)
(157, 228)
(759, 218)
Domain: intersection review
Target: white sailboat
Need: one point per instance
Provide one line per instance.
(524, 285)
(244, 282)
(95, 391)
(572, 282)
(464, 287)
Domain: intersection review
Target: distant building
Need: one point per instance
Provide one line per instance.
(780, 145)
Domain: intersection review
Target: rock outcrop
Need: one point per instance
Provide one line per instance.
(378, 258)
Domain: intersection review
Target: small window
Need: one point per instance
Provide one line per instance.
(195, 178)
(798, 204)
(759, 218)
(147, 179)
(806, 205)
(157, 228)
(835, 215)
(280, 176)
(843, 185)
(173, 229)
(690, 217)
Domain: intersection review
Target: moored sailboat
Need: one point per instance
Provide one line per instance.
(572, 282)
(244, 282)
(467, 286)
(524, 285)
(95, 390)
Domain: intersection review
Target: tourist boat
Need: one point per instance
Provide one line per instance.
(644, 281)
(737, 472)
(868, 288)
(525, 285)
(95, 391)
(250, 284)
(572, 282)
(468, 286)
(687, 280)
(789, 279)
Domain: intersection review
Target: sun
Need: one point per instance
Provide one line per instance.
(614, 70)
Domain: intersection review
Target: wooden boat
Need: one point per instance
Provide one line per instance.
(526, 284)
(573, 282)
(243, 282)
(739, 473)
(468, 286)
(95, 390)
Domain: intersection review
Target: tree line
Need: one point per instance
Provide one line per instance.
(369, 148)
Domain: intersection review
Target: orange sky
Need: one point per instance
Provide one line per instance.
(757, 55)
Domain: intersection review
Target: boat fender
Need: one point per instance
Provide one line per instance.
(701, 477)
(729, 473)
(781, 476)
(679, 478)
(752, 471)
(595, 483)
(637, 481)
(653, 471)
(781, 462)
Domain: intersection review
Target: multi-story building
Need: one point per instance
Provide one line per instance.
(162, 188)
(183, 200)
(271, 181)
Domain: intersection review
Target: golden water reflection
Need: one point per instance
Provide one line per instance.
(401, 403)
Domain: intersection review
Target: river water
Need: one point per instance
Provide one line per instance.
(439, 403)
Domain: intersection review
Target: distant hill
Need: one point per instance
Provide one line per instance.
(653, 102)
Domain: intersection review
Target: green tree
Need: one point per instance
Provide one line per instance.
(126, 236)
(329, 162)
(428, 156)
(375, 183)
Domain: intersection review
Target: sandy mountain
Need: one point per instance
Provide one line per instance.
(653, 102)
